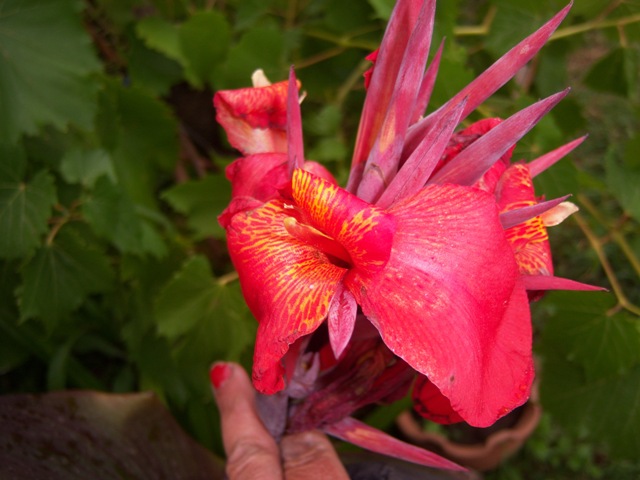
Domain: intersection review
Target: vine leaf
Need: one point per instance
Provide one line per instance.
(25, 208)
(60, 276)
(591, 369)
(623, 177)
(198, 45)
(115, 217)
(204, 319)
(201, 201)
(45, 60)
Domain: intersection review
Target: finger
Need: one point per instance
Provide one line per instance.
(310, 455)
(252, 454)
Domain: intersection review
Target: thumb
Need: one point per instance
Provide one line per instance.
(251, 451)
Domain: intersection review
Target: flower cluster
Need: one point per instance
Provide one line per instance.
(420, 271)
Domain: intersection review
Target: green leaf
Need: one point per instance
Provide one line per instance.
(513, 22)
(623, 178)
(602, 344)
(591, 369)
(347, 17)
(25, 209)
(115, 217)
(60, 276)
(453, 74)
(382, 8)
(201, 201)
(13, 164)
(194, 303)
(46, 59)
(608, 410)
(204, 41)
(608, 74)
(131, 436)
(141, 136)
(150, 69)
(162, 36)
(260, 47)
(86, 166)
(248, 13)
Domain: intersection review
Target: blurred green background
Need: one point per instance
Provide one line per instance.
(114, 274)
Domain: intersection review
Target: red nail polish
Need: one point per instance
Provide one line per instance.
(219, 373)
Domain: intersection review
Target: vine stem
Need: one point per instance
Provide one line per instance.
(228, 278)
(594, 25)
(623, 301)
(617, 237)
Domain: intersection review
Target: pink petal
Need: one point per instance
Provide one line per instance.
(520, 216)
(383, 80)
(419, 166)
(449, 303)
(287, 284)
(342, 320)
(383, 159)
(540, 164)
(360, 434)
(545, 282)
(494, 77)
(517, 216)
(294, 125)
(469, 166)
(426, 88)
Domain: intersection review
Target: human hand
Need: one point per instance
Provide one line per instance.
(252, 453)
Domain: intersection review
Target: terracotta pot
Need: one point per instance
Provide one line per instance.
(491, 445)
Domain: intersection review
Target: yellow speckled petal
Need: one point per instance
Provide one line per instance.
(288, 284)
(365, 231)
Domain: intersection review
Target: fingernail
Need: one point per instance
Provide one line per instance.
(219, 374)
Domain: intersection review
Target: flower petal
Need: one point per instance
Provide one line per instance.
(429, 402)
(545, 282)
(360, 434)
(288, 285)
(259, 176)
(494, 77)
(384, 157)
(295, 149)
(382, 81)
(449, 301)
(470, 164)
(342, 320)
(540, 164)
(254, 118)
(413, 175)
(365, 231)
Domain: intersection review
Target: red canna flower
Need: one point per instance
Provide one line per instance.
(437, 241)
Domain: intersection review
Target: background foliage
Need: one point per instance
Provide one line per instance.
(114, 274)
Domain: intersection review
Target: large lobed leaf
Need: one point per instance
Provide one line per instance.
(25, 206)
(45, 63)
(591, 370)
(60, 276)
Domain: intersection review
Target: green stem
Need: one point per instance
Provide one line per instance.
(228, 278)
(594, 25)
(477, 30)
(345, 42)
(616, 235)
(623, 301)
